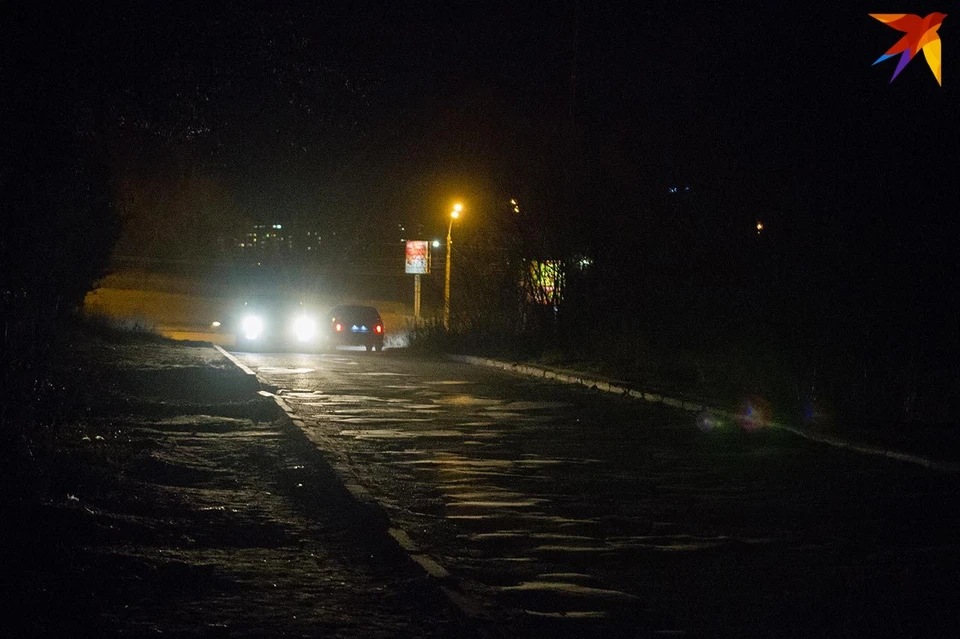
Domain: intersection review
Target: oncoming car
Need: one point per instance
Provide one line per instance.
(276, 322)
(354, 326)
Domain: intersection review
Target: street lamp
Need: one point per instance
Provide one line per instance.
(454, 214)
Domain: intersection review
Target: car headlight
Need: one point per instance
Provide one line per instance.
(252, 326)
(305, 328)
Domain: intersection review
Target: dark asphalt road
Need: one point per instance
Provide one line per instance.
(564, 510)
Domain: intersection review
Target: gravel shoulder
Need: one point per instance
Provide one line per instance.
(175, 500)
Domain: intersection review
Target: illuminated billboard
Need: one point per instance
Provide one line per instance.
(545, 282)
(418, 257)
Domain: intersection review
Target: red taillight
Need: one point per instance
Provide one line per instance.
(378, 328)
(339, 328)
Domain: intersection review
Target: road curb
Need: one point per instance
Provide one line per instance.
(236, 362)
(470, 609)
(606, 386)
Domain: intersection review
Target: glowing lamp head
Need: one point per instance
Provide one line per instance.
(252, 326)
(304, 328)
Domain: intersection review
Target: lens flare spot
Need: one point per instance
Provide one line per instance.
(815, 414)
(707, 421)
(753, 414)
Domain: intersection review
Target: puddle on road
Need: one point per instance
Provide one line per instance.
(518, 503)
(526, 534)
(511, 420)
(383, 374)
(284, 371)
(467, 400)
(360, 411)
(483, 494)
(566, 588)
(460, 462)
(673, 543)
(449, 382)
(334, 400)
(398, 434)
(566, 576)
(521, 406)
(377, 420)
(572, 549)
(570, 614)
(300, 394)
(543, 519)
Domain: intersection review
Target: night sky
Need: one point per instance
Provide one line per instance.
(364, 114)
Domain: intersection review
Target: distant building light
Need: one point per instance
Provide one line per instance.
(759, 226)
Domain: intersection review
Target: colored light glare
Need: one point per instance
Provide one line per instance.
(707, 421)
(753, 414)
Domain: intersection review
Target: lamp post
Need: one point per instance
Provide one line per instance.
(454, 214)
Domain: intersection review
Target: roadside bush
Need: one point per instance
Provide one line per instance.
(60, 230)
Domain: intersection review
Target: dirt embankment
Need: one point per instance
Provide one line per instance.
(177, 502)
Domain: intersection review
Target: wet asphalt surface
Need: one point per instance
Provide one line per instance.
(178, 503)
(561, 510)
